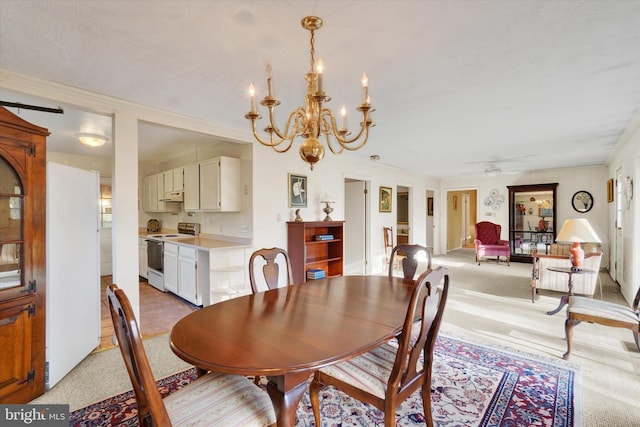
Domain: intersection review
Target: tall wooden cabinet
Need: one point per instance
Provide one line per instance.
(532, 220)
(309, 252)
(22, 258)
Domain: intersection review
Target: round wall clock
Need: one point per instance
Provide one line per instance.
(582, 201)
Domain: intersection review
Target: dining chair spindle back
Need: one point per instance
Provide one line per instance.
(410, 258)
(387, 375)
(275, 260)
(212, 399)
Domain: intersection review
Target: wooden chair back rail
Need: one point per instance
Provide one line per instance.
(151, 409)
(271, 270)
(409, 259)
(429, 301)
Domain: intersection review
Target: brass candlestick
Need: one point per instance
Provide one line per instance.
(327, 209)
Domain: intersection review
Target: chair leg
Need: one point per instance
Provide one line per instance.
(568, 331)
(426, 403)
(314, 396)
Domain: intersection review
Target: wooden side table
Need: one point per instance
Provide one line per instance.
(565, 298)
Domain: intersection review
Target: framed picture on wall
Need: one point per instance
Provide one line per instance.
(297, 191)
(385, 199)
(610, 190)
(429, 206)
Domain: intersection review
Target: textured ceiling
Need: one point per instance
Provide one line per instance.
(456, 84)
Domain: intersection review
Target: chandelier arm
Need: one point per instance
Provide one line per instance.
(272, 144)
(342, 140)
(344, 144)
(291, 125)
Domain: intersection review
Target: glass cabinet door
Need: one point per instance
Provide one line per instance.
(11, 217)
(532, 220)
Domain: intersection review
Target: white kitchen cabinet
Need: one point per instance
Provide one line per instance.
(142, 257)
(171, 279)
(162, 206)
(190, 279)
(186, 272)
(228, 274)
(151, 195)
(220, 185)
(153, 190)
(191, 188)
(173, 180)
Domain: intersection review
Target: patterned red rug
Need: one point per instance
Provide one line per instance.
(473, 385)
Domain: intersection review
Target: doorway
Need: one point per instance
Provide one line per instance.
(356, 230)
(403, 223)
(461, 218)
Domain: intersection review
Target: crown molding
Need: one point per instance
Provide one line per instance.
(103, 104)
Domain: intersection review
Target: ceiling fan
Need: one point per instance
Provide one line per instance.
(492, 167)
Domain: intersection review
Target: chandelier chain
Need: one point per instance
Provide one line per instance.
(313, 49)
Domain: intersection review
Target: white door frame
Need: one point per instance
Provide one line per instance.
(359, 233)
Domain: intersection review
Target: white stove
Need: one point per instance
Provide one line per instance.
(155, 251)
(185, 229)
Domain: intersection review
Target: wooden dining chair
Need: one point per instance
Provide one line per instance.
(584, 309)
(387, 375)
(409, 259)
(275, 259)
(212, 399)
(388, 248)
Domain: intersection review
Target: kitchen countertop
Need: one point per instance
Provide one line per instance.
(202, 242)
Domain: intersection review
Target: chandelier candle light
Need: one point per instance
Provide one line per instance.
(313, 120)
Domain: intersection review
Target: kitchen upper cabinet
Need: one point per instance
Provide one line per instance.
(220, 185)
(153, 191)
(150, 190)
(213, 185)
(22, 258)
(192, 188)
(173, 180)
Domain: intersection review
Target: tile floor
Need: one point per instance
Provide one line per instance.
(159, 311)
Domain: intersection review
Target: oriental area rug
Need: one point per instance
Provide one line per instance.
(472, 385)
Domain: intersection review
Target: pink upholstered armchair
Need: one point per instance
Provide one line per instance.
(488, 242)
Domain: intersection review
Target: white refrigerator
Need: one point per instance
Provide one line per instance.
(73, 268)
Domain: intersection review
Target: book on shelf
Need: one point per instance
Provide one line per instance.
(324, 236)
(316, 274)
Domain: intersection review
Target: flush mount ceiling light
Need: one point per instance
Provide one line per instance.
(312, 120)
(92, 139)
(492, 170)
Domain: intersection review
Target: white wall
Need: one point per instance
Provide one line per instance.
(627, 157)
(271, 200)
(590, 178)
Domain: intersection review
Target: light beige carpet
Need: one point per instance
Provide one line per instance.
(489, 304)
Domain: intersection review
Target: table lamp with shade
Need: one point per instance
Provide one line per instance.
(327, 199)
(576, 231)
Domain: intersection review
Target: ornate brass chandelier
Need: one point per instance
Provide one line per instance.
(313, 120)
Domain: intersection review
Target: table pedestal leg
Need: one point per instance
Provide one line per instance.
(285, 393)
(565, 298)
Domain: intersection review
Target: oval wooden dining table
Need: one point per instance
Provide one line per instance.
(287, 333)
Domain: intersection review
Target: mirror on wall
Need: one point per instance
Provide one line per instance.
(532, 220)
